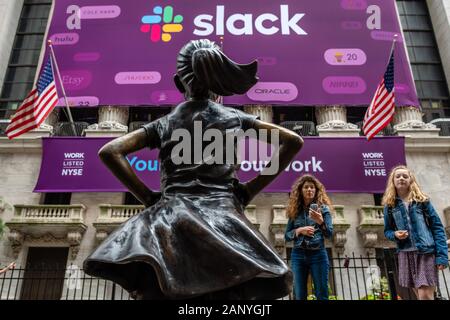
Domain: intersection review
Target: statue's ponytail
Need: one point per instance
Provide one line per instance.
(202, 67)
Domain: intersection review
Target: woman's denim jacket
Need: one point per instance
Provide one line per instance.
(427, 229)
(317, 241)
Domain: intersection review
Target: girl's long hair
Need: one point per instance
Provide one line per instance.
(296, 200)
(415, 193)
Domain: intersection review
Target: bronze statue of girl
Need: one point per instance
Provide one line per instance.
(193, 239)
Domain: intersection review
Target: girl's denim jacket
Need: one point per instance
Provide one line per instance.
(427, 231)
(317, 241)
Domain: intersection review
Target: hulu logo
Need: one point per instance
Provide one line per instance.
(162, 24)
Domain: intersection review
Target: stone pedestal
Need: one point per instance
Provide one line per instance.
(408, 122)
(332, 122)
(112, 122)
(264, 112)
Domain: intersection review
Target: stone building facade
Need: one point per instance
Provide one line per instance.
(87, 220)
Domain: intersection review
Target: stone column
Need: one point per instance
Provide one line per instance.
(9, 18)
(112, 122)
(440, 18)
(408, 122)
(264, 112)
(332, 122)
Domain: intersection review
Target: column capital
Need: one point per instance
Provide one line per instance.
(264, 111)
(408, 121)
(112, 122)
(332, 122)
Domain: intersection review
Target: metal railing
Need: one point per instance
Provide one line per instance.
(57, 284)
(351, 278)
(372, 277)
(387, 131)
(303, 128)
(63, 129)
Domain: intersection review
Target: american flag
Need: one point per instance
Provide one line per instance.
(382, 108)
(36, 106)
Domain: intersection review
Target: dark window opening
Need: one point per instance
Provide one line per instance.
(377, 198)
(57, 198)
(24, 56)
(44, 274)
(130, 199)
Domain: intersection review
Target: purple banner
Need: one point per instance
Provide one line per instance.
(327, 52)
(342, 164)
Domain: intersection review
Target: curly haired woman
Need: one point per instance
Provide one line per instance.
(309, 223)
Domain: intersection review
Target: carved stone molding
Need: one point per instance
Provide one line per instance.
(370, 238)
(100, 236)
(112, 122)
(62, 224)
(408, 121)
(250, 213)
(15, 239)
(108, 125)
(332, 121)
(371, 227)
(44, 238)
(264, 112)
(338, 125)
(278, 227)
(111, 216)
(340, 227)
(113, 114)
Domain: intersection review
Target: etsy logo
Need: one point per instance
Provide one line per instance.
(161, 24)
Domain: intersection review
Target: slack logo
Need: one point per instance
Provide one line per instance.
(170, 24)
(246, 24)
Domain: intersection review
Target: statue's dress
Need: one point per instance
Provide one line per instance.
(195, 241)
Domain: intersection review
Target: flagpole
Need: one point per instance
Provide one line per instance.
(62, 87)
(393, 45)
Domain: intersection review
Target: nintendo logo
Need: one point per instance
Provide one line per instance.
(273, 91)
(344, 85)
